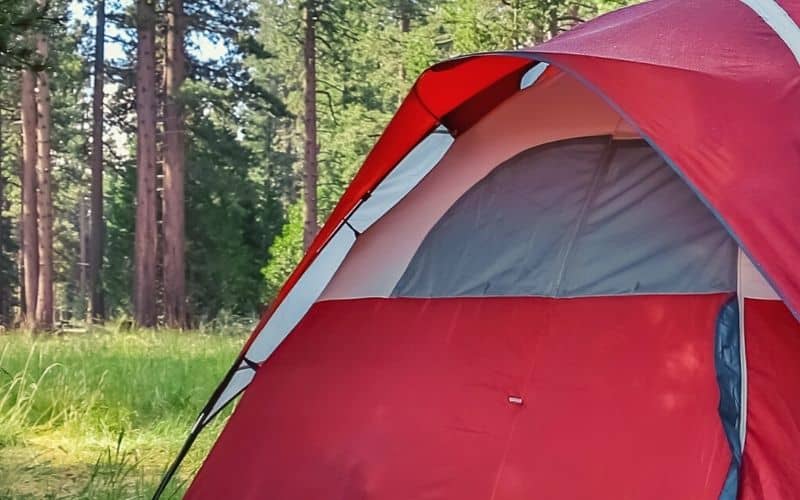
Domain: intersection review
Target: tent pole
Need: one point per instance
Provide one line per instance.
(198, 426)
(187, 445)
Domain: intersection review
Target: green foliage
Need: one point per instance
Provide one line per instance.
(285, 252)
(9, 204)
(19, 19)
(120, 206)
(228, 191)
(69, 142)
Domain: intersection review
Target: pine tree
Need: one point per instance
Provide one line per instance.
(310, 124)
(30, 229)
(9, 261)
(174, 158)
(44, 205)
(144, 295)
(97, 224)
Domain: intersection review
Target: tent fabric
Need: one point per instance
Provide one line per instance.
(770, 468)
(409, 398)
(727, 349)
(400, 181)
(780, 21)
(588, 216)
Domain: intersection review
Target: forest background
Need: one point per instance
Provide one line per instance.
(166, 160)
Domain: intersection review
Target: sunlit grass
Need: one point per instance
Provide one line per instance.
(100, 414)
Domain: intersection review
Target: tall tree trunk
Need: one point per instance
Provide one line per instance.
(553, 28)
(174, 159)
(83, 252)
(6, 283)
(96, 224)
(44, 302)
(20, 319)
(404, 9)
(30, 231)
(310, 122)
(144, 294)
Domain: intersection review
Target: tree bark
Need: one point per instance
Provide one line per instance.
(83, 252)
(310, 121)
(6, 286)
(553, 28)
(30, 231)
(174, 160)
(96, 223)
(44, 302)
(404, 10)
(144, 294)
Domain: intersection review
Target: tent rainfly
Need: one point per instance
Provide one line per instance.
(565, 272)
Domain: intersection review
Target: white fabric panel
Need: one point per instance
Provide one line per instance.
(558, 108)
(741, 258)
(408, 173)
(780, 22)
(304, 293)
(533, 74)
(752, 283)
(238, 382)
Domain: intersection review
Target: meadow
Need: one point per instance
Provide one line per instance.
(99, 414)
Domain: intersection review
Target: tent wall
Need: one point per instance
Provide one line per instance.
(770, 468)
(554, 109)
(409, 398)
(690, 254)
(582, 217)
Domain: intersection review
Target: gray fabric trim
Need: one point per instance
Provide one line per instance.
(590, 216)
(780, 21)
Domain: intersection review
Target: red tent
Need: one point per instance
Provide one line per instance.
(563, 272)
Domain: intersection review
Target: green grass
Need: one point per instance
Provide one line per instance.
(100, 415)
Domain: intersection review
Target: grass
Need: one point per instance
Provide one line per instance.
(100, 415)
